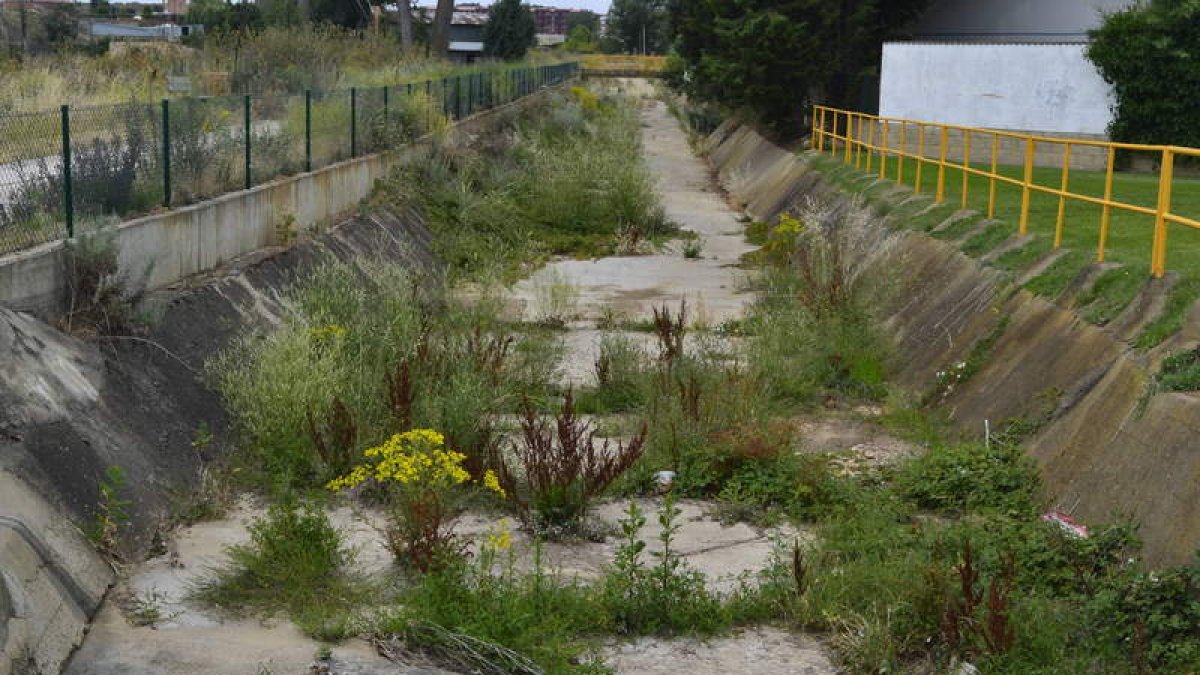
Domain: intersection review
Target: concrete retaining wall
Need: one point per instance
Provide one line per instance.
(1111, 447)
(182, 242)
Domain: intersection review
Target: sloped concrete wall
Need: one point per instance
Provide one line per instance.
(1110, 450)
(70, 409)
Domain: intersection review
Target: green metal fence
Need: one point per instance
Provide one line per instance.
(79, 167)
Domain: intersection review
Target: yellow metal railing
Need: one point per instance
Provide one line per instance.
(863, 140)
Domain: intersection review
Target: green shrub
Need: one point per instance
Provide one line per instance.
(665, 598)
(363, 356)
(1148, 54)
(295, 562)
(971, 477)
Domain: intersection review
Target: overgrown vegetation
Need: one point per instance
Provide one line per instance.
(945, 558)
(295, 563)
(568, 182)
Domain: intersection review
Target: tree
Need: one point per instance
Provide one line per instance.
(440, 43)
(510, 30)
(580, 39)
(60, 25)
(404, 7)
(1151, 57)
(640, 26)
(281, 12)
(219, 15)
(772, 58)
(352, 14)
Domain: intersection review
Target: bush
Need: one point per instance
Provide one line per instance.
(1148, 53)
(295, 562)
(972, 477)
(558, 470)
(363, 355)
(421, 483)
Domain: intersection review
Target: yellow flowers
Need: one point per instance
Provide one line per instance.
(329, 332)
(587, 100)
(499, 538)
(492, 482)
(417, 458)
(788, 225)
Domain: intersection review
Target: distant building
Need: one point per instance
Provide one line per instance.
(176, 7)
(1002, 64)
(466, 32)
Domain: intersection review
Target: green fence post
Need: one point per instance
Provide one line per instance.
(458, 111)
(308, 130)
(386, 116)
(353, 122)
(68, 195)
(166, 152)
(246, 120)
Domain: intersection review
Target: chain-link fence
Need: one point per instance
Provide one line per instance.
(76, 168)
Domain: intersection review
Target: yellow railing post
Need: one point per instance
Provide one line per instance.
(871, 124)
(1166, 178)
(1062, 199)
(903, 149)
(966, 170)
(941, 180)
(849, 133)
(1026, 186)
(1106, 214)
(884, 127)
(858, 143)
(920, 156)
(992, 185)
(821, 134)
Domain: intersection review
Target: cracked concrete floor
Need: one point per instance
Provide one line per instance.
(192, 641)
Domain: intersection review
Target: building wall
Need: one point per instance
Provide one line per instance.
(1024, 20)
(1019, 87)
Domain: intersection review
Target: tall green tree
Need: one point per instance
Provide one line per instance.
(1150, 54)
(774, 58)
(353, 14)
(510, 30)
(639, 26)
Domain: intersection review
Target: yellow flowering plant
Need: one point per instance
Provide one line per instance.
(421, 481)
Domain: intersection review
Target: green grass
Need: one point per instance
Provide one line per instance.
(1180, 372)
(1110, 295)
(1179, 302)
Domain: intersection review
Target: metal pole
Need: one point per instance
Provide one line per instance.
(353, 122)
(385, 110)
(246, 115)
(68, 193)
(166, 152)
(308, 130)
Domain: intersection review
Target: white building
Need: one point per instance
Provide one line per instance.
(1001, 64)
